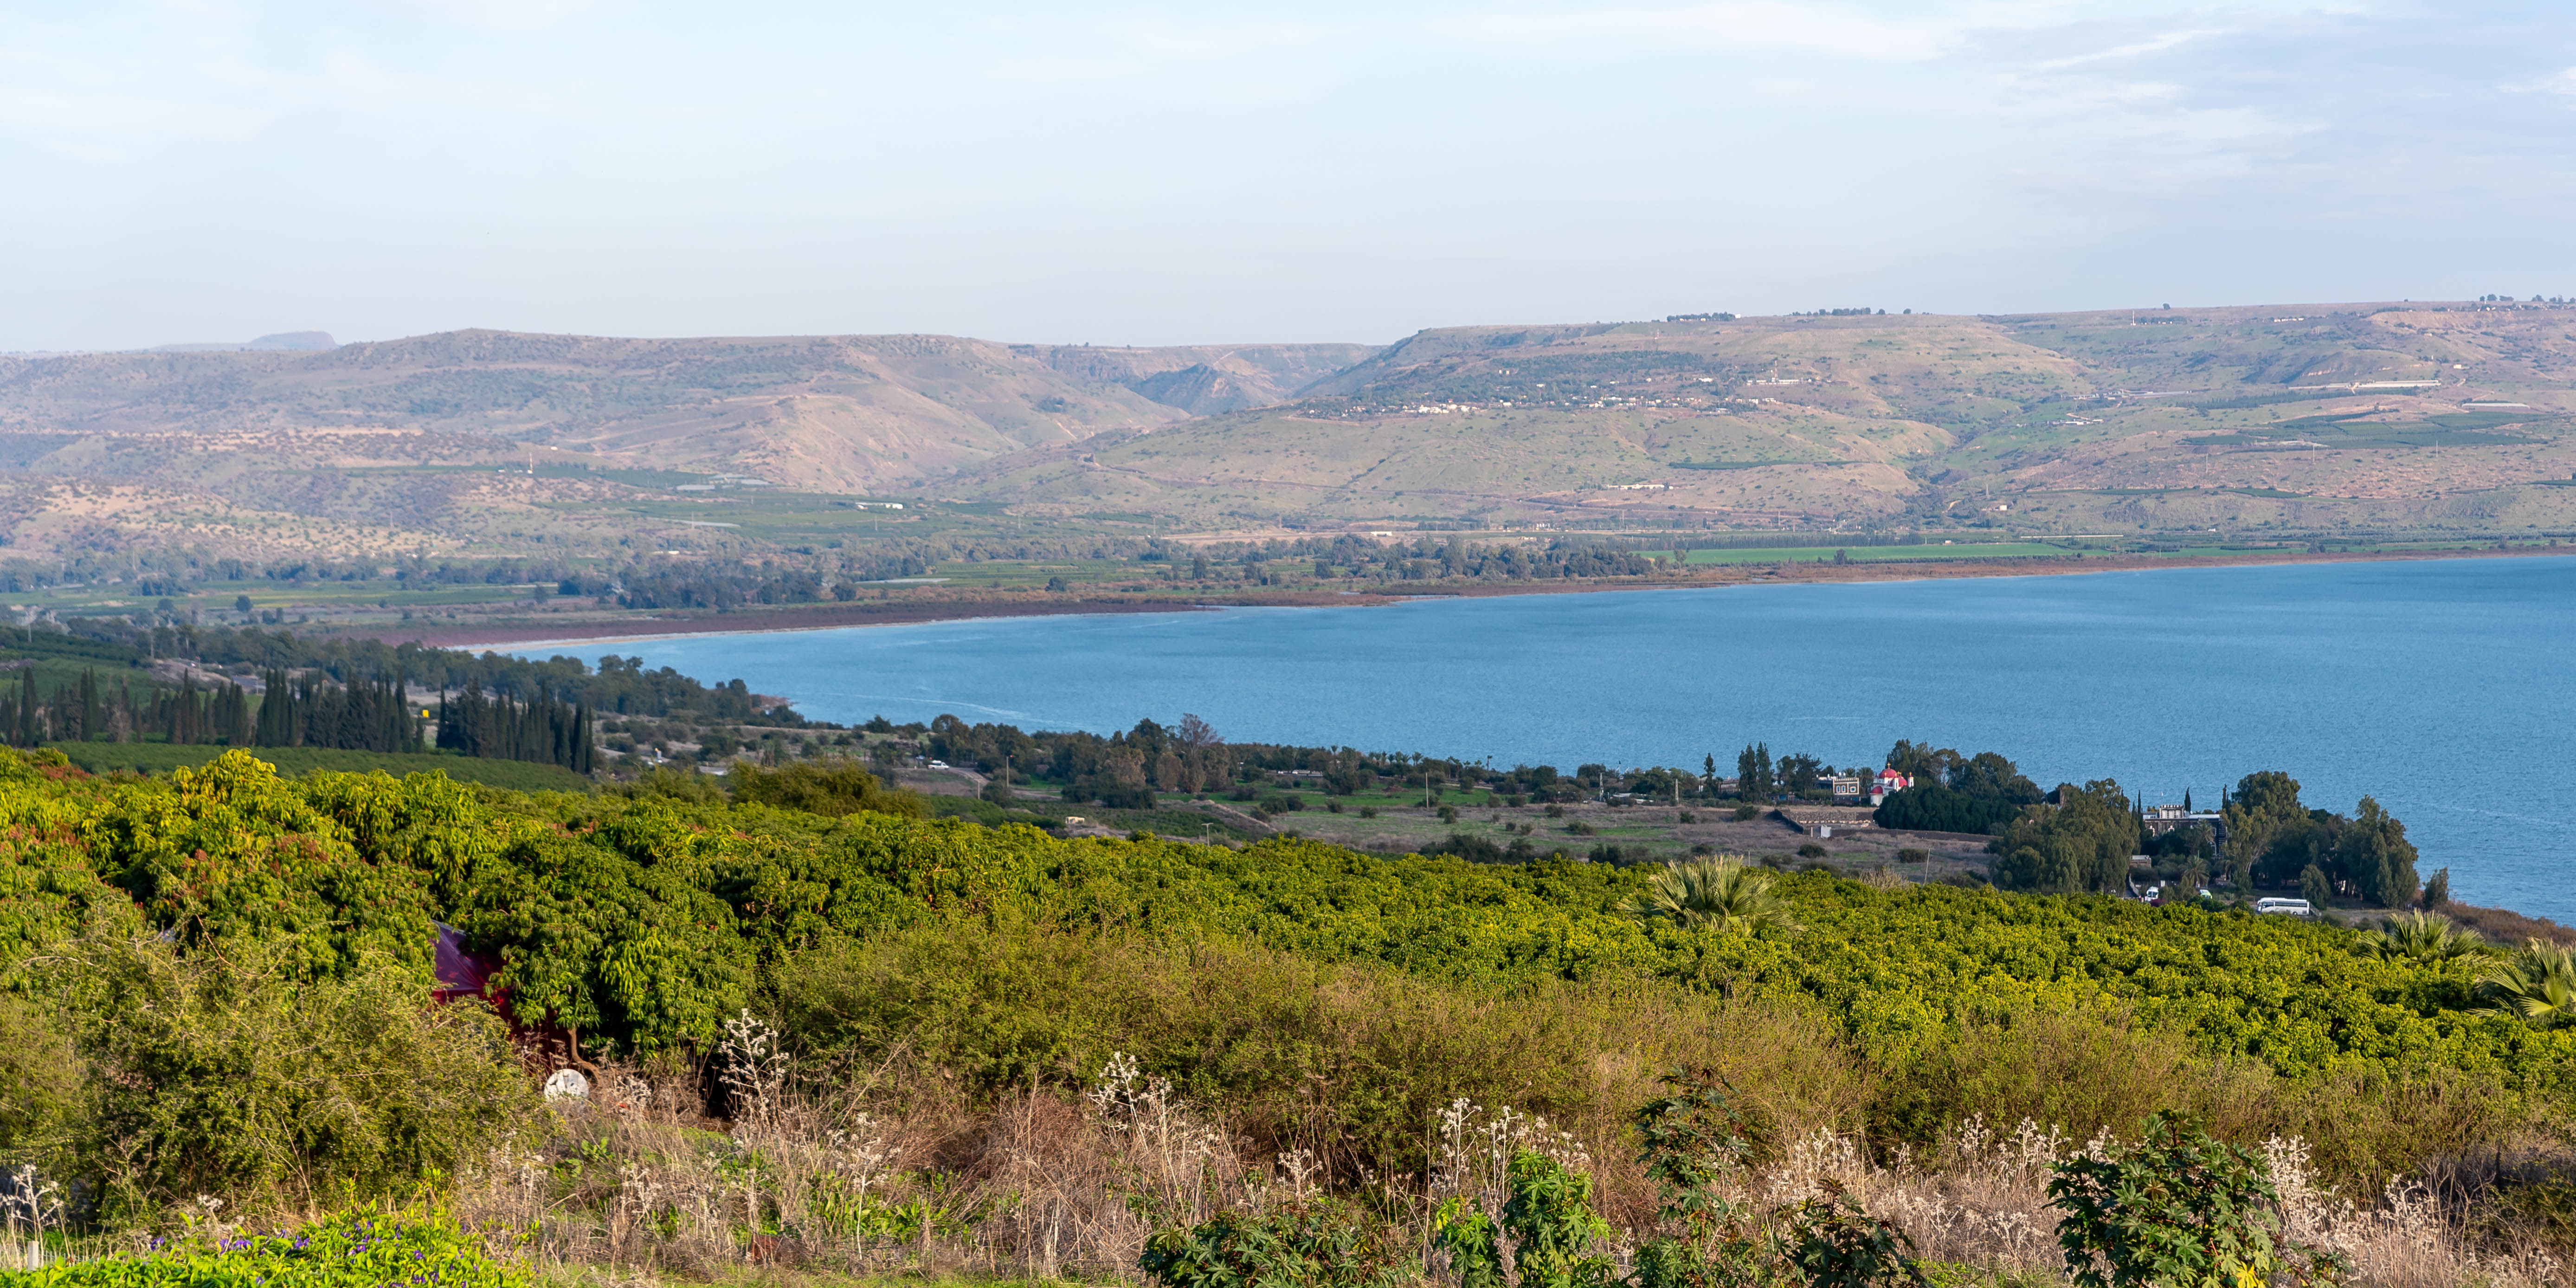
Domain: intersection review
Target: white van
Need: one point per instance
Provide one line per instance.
(2285, 907)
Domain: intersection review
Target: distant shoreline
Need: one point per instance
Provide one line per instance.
(972, 606)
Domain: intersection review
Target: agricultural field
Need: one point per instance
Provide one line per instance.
(1401, 822)
(1877, 554)
(1285, 1007)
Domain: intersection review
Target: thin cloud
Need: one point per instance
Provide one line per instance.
(1748, 25)
(1224, 42)
(497, 15)
(2562, 83)
(2133, 49)
(1058, 70)
(91, 123)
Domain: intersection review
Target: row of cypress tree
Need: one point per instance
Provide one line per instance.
(306, 711)
(547, 730)
(297, 711)
(88, 712)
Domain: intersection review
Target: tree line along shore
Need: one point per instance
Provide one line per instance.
(453, 602)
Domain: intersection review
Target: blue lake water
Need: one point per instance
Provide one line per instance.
(2444, 688)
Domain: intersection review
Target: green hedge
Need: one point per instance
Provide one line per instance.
(161, 758)
(644, 921)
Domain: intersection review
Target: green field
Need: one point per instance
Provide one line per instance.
(1031, 574)
(1869, 554)
(161, 758)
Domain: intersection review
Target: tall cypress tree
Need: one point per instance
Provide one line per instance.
(280, 724)
(237, 730)
(545, 729)
(28, 733)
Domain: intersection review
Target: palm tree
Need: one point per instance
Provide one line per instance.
(2537, 983)
(2424, 937)
(1724, 894)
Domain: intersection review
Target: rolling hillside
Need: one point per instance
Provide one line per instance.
(2315, 417)
(839, 413)
(2372, 416)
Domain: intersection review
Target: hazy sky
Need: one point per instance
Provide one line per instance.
(211, 170)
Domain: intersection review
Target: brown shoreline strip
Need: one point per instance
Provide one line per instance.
(951, 605)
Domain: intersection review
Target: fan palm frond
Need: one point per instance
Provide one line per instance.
(2537, 983)
(1724, 894)
(2424, 937)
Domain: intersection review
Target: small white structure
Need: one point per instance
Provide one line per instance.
(567, 1084)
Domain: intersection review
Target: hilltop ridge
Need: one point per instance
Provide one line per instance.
(2379, 416)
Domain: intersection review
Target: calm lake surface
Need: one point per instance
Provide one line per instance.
(2444, 688)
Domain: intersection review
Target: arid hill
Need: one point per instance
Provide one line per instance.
(2319, 417)
(2366, 415)
(836, 413)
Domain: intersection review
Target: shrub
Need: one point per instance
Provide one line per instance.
(1313, 1242)
(1695, 1137)
(2177, 1209)
(357, 1250)
(1474, 849)
(1811, 850)
(234, 1077)
(231, 852)
(833, 789)
(1549, 1220)
(1912, 854)
(42, 1072)
(1747, 813)
(1120, 795)
(1833, 1244)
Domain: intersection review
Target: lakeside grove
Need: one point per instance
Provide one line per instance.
(216, 987)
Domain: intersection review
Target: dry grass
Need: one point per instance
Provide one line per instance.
(817, 1181)
(2507, 927)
